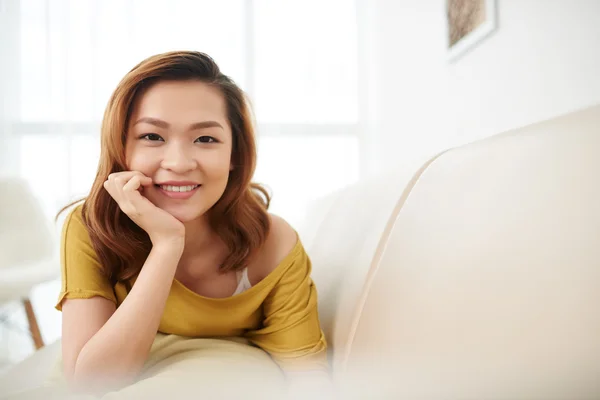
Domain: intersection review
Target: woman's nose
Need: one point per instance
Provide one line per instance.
(178, 158)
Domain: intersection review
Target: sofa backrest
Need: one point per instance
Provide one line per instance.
(342, 233)
(488, 283)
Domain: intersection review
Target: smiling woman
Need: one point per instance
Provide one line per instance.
(174, 235)
(67, 57)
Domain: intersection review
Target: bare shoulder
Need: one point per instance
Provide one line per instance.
(281, 240)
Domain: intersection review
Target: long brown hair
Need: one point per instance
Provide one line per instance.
(239, 217)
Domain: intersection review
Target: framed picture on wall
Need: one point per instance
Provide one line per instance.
(468, 22)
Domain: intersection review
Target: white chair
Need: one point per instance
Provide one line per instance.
(27, 248)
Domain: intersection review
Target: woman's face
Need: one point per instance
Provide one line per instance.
(179, 136)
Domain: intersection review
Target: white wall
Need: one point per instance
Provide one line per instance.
(406, 81)
(542, 61)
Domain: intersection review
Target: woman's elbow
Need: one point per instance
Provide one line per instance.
(86, 375)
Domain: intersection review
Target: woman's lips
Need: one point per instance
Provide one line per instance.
(175, 194)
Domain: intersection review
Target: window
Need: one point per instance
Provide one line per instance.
(300, 169)
(300, 73)
(306, 69)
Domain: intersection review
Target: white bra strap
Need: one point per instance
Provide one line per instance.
(243, 281)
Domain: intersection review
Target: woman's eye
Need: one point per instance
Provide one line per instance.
(206, 139)
(151, 137)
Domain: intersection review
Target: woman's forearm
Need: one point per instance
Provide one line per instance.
(118, 351)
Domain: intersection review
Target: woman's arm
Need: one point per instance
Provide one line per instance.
(107, 347)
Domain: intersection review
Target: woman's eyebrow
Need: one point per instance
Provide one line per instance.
(163, 124)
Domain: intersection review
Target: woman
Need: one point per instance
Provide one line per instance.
(175, 238)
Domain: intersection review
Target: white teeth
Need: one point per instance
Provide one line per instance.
(170, 188)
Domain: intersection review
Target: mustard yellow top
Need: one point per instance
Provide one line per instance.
(278, 314)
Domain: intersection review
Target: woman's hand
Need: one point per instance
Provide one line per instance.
(125, 188)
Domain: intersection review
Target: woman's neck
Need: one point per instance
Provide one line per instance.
(200, 239)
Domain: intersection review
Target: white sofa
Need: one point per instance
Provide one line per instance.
(475, 275)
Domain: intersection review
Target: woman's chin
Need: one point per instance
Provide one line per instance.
(183, 216)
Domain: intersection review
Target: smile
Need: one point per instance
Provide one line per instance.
(170, 188)
(178, 192)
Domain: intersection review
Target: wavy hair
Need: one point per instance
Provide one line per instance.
(239, 217)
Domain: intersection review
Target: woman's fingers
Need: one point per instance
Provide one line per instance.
(145, 181)
(121, 178)
(133, 184)
(125, 188)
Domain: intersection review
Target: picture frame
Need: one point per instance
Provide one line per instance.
(468, 23)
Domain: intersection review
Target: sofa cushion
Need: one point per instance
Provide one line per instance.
(178, 367)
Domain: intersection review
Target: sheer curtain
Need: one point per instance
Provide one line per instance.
(297, 59)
